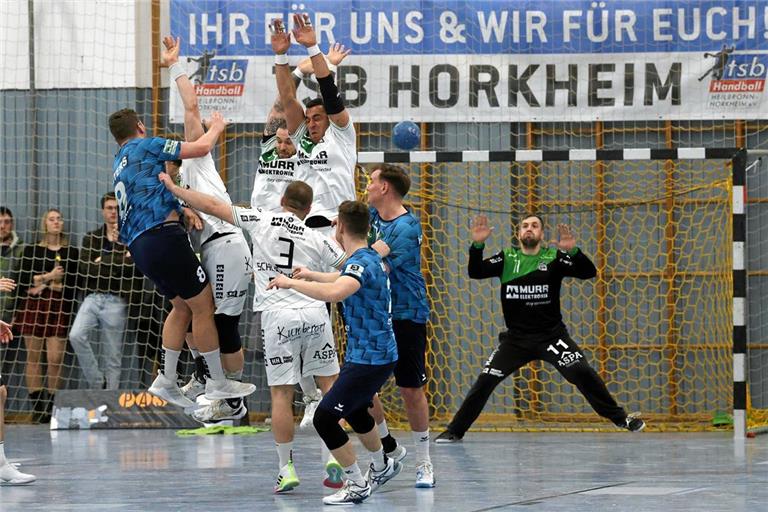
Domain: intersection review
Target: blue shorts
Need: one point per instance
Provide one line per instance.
(411, 368)
(164, 255)
(355, 387)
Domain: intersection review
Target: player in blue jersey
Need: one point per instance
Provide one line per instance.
(396, 236)
(150, 226)
(370, 356)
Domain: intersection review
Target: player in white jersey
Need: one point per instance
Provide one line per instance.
(324, 135)
(279, 164)
(224, 251)
(298, 341)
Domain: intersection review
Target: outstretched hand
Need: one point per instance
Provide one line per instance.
(7, 284)
(170, 55)
(480, 229)
(303, 31)
(215, 122)
(281, 40)
(566, 238)
(337, 53)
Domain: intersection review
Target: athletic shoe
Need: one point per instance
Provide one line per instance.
(425, 476)
(193, 389)
(398, 454)
(9, 475)
(220, 410)
(226, 388)
(286, 479)
(335, 478)
(349, 493)
(378, 478)
(448, 437)
(168, 390)
(634, 423)
(310, 406)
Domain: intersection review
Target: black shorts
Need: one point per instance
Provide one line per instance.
(355, 387)
(164, 255)
(411, 367)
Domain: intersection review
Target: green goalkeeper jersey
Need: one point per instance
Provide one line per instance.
(530, 286)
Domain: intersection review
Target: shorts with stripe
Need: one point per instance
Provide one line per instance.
(298, 343)
(227, 262)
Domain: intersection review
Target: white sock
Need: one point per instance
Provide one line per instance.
(421, 442)
(284, 452)
(171, 362)
(383, 430)
(2, 453)
(379, 459)
(235, 375)
(213, 358)
(353, 473)
(195, 353)
(309, 387)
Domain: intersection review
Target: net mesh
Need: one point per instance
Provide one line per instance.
(655, 323)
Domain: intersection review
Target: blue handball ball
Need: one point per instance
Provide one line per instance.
(406, 135)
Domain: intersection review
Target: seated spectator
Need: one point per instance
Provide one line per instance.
(47, 285)
(108, 277)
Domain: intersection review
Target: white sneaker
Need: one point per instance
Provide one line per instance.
(425, 476)
(168, 390)
(193, 389)
(310, 406)
(221, 389)
(398, 453)
(349, 493)
(219, 410)
(378, 478)
(9, 475)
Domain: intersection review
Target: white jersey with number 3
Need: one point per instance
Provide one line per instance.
(282, 242)
(200, 174)
(330, 167)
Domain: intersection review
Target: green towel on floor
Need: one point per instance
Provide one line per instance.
(221, 429)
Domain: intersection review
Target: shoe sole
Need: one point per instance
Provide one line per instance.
(440, 441)
(162, 394)
(335, 478)
(219, 395)
(287, 488)
(425, 485)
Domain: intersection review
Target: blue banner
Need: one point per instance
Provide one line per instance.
(387, 27)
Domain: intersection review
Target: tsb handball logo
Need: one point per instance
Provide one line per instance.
(742, 73)
(219, 77)
(142, 400)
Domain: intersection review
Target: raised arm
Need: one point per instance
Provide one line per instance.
(198, 200)
(207, 142)
(281, 41)
(304, 34)
(479, 268)
(193, 122)
(573, 262)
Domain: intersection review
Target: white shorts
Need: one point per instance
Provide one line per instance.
(298, 343)
(227, 262)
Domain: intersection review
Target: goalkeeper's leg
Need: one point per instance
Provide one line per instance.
(505, 360)
(565, 355)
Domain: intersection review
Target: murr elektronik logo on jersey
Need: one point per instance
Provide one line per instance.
(219, 76)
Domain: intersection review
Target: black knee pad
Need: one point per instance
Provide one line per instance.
(361, 421)
(229, 334)
(329, 430)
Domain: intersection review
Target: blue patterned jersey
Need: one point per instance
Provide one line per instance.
(409, 291)
(142, 199)
(367, 312)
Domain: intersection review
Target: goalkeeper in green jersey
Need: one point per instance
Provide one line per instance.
(531, 277)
